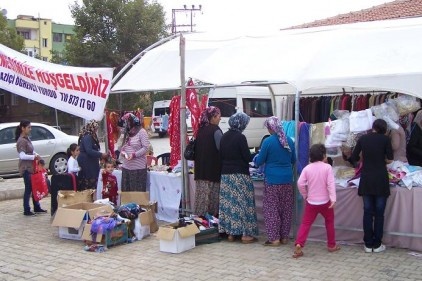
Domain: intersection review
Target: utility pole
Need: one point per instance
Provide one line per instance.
(186, 11)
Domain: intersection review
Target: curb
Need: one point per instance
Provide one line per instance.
(11, 194)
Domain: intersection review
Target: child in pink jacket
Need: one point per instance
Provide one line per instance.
(317, 186)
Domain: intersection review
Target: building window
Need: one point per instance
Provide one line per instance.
(15, 99)
(25, 34)
(44, 58)
(68, 37)
(57, 37)
(44, 42)
(30, 53)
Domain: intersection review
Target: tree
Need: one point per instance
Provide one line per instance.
(108, 33)
(9, 37)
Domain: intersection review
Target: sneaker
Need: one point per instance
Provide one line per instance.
(380, 249)
(29, 214)
(40, 211)
(367, 250)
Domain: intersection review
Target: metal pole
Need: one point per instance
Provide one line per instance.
(57, 119)
(183, 129)
(296, 193)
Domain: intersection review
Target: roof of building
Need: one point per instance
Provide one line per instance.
(392, 10)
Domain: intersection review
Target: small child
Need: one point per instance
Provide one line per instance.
(41, 167)
(317, 186)
(109, 182)
(72, 163)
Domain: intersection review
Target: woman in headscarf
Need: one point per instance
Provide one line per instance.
(207, 162)
(237, 213)
(278, 155)
(414, 146)
(89, 157)
(134, 154)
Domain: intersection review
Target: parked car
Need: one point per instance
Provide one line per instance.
(50, 143)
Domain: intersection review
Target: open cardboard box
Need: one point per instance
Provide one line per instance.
(72, 219)
(118, 235)
(142, 199)
(177, 240)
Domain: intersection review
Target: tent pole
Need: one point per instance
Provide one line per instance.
(183, 129)
(295, 175)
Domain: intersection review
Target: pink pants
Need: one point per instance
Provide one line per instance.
(309, 216)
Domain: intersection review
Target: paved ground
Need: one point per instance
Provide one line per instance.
(31, 249)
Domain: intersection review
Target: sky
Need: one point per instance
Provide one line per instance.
(215, 15)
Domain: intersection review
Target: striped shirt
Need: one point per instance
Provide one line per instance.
(138, 144)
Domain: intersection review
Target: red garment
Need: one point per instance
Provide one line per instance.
(193, 105)
(204, 101)
(110, 187)
(110, 133)
(174, 131)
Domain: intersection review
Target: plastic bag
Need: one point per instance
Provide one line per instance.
(406, 104)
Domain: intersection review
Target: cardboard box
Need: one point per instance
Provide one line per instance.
(142, 199)
(116, 236)
(72, 219)
(177, 240)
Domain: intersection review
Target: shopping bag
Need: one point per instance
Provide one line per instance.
(39, 184)
(189, 153)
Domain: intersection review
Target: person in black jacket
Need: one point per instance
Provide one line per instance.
(414, 146)
(376, 151)
(207, 163)
(237, 214)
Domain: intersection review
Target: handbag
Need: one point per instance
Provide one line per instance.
(190, 150)
(39, 184)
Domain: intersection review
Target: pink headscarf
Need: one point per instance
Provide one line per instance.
(275, 124)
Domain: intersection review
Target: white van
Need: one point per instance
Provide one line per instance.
(159, 109)
(255, 101)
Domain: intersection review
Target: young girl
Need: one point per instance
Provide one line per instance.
(317, 186)
(72, 162)
(109, 182)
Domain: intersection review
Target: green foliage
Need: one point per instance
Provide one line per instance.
(9, 37)
(108, 33)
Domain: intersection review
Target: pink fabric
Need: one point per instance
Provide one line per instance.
(138, 144)
(316, 183)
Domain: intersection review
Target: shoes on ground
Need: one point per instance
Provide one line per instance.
(249, 241)
(40, 211)
(367, 250)
(284, 241)
(298, 251)
(334, 249)
(276, 243)
(380, 249)
(29, 214)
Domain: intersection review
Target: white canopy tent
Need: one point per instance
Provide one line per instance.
(384, 55)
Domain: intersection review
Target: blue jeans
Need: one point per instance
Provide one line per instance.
(373, 219)
(27, 194)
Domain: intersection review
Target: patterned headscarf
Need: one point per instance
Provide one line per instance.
(275, 124)
(132, 124)
(239, 121)
(207, 114)
(91, 129)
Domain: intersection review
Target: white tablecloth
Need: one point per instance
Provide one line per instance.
(166, 189)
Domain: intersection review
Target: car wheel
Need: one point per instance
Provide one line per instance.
(58, 164)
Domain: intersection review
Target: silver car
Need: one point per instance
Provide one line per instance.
(50, 143)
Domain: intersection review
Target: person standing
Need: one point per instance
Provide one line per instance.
(414, 146)
(317, 186)
(27, 155)
(376, 151)
(208, 163)
(89, 157)
(237, 213)
(134, 151)
(398, 143)
(278, 155)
